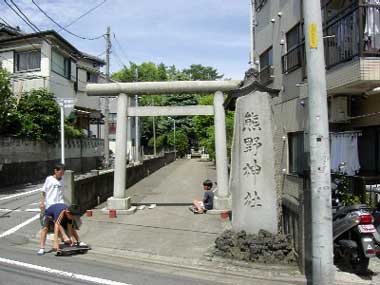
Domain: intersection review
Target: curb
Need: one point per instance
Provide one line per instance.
(204, 265)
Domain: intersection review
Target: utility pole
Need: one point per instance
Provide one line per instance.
(106, 101)
(252, 27)
(322, 236)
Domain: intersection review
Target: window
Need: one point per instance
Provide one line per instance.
(296, 153)
(293, 37)
(60, 64)
(266, 58)
(92, 77)
(295, 56)
(27, 60)
(266, 61)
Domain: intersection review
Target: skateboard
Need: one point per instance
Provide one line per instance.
(70, 250)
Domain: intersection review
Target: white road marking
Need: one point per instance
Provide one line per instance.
(16, 228)
(66, 274)
(20, 194)
(35, 210)
(9, 210)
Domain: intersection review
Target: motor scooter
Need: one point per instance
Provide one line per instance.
(353, 232)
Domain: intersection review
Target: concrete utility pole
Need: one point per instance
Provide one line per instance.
(106, 101)
(252, 27)
(322, 237)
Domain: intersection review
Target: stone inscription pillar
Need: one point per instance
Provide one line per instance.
(252, 184)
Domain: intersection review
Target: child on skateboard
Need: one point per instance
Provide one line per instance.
(63, 217)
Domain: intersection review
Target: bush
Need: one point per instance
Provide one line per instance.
(10, 120)
(72, 132)
(40, 116)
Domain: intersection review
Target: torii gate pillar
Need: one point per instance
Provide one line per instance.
(222, 199)
(119, 200)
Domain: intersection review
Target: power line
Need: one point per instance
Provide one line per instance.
(100, 54)
(63, 28)
(31, 25)
(34, 27)
(85, 14)
(26, 20)
(120, 61)
(120, 47)
(4, 21)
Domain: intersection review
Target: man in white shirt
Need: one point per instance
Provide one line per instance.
(52, 193)
(52, 190)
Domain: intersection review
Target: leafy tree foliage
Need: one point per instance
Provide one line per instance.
(10, 121)
(35, 116)
(198, 131)
(40, 116)
(181, 142)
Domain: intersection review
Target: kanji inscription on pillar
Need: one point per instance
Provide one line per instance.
(252, 184)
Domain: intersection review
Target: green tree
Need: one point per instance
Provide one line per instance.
(40, 116)
(149, 71)
(181, 142)
(10, 122)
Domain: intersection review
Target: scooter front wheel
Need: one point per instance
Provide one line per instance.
(360, 266)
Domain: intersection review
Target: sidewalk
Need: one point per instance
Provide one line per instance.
(170, 234)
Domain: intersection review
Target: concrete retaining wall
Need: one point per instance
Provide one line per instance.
(90, 190)
(24, 161)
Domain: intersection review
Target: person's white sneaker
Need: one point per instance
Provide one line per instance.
(41, 251)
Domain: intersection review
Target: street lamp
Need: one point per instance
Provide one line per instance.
(63, 103)
(175, 150)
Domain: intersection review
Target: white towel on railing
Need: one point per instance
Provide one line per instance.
(372, 24)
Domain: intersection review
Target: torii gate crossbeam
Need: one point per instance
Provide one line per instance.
(119, 200)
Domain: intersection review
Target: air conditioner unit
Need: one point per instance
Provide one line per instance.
(338, 110)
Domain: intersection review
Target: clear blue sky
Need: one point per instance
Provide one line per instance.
(180, 32)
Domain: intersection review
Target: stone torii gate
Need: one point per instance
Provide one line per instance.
(119, 201)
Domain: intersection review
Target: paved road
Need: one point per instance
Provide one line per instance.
(32, 269)
(19, 263)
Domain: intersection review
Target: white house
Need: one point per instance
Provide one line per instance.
(47, 60)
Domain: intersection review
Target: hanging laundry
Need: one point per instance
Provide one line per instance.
(344, 150)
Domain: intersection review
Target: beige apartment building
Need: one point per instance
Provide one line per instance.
(352, 55)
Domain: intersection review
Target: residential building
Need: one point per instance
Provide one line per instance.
(47, 60)
(352, 52)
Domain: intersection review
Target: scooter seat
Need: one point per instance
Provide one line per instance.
(344, 210)
(348, 243)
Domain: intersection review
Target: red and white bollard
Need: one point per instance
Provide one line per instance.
(112, 213)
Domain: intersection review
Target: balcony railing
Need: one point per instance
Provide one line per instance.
(265, 75)
(293, 59)
(354, 33)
